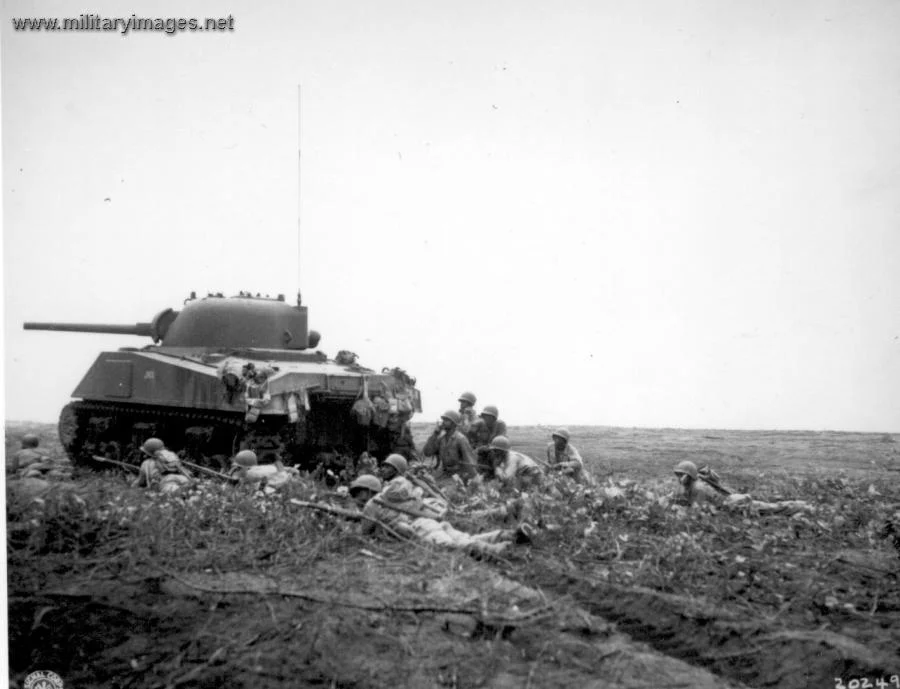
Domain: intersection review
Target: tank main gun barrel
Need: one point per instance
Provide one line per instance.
(215, 322)
(140, 329)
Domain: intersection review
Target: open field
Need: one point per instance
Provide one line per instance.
(113, 587)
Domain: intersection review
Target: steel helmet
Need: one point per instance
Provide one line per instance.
(452, 415)
(501, 442)
(468, 397)
(246, 458)
(398, 462)
(152, 445)
(30, 440)
(491, 410)
(366, 481)
(688, 468)
(561, 433)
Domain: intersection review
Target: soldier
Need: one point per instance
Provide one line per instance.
(366, 464)
(396, 437)
(563, 457)
(241, 464)
(395, 485)
(400, 506)
(364, 488)
(480, 435)
(27, 456)
(467, 412)
(698, 486)
(333, 466)
(512, 468)
(247, 469)
(453, 452)
(691, 490)
(161, 469)
(256, 393)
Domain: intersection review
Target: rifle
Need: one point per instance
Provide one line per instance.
(428, 487)
(125, 465)
(211, 472)
(711, 478)
(349, 514)
(406, 510)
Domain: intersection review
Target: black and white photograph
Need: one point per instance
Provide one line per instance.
(512, 345)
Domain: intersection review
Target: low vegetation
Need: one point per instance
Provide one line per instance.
(111, 586)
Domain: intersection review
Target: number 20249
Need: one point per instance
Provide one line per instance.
(866, 683)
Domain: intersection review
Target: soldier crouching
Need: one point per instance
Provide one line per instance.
(514, 469)
(162, 469)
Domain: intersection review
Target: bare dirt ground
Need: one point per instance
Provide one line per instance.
(112, 587)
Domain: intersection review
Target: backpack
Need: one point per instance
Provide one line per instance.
(346, 358)
(168, 461)
(404, 406)
(383, 404)
(363, 410)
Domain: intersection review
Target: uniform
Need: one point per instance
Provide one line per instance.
(269, 477)
(433, 531)
(162, 470)
(394, 519)
(517, 466)
(445, 535)
(22, 459)
(480, 437)
(742, 500)
(693, 491)
(396, 437)
(393, 504)
(699, 493)
(469, 419)
(453, 452)
(480, 434)
(401, 491)
(402, 441)
(569, 457)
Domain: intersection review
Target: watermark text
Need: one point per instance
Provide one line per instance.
(123, 25)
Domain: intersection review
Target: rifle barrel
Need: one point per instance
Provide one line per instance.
(126, 465)
(211, 472)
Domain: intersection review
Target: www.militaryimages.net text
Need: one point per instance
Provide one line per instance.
(123, 25)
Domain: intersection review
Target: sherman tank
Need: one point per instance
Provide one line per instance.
(231, 373)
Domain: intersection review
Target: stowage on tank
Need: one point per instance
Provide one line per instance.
(226, 374)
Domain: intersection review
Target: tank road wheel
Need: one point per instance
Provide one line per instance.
(69, 432)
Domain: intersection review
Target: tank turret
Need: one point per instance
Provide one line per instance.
(214, 322)
(229, 373)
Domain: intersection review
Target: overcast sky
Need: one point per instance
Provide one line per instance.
(657, 213)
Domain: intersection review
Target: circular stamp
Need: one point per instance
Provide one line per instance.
(43, 679)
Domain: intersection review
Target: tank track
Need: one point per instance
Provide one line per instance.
(112, 430)
(108, 408)
(88, 428)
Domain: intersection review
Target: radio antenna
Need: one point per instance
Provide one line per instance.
(299, 201)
